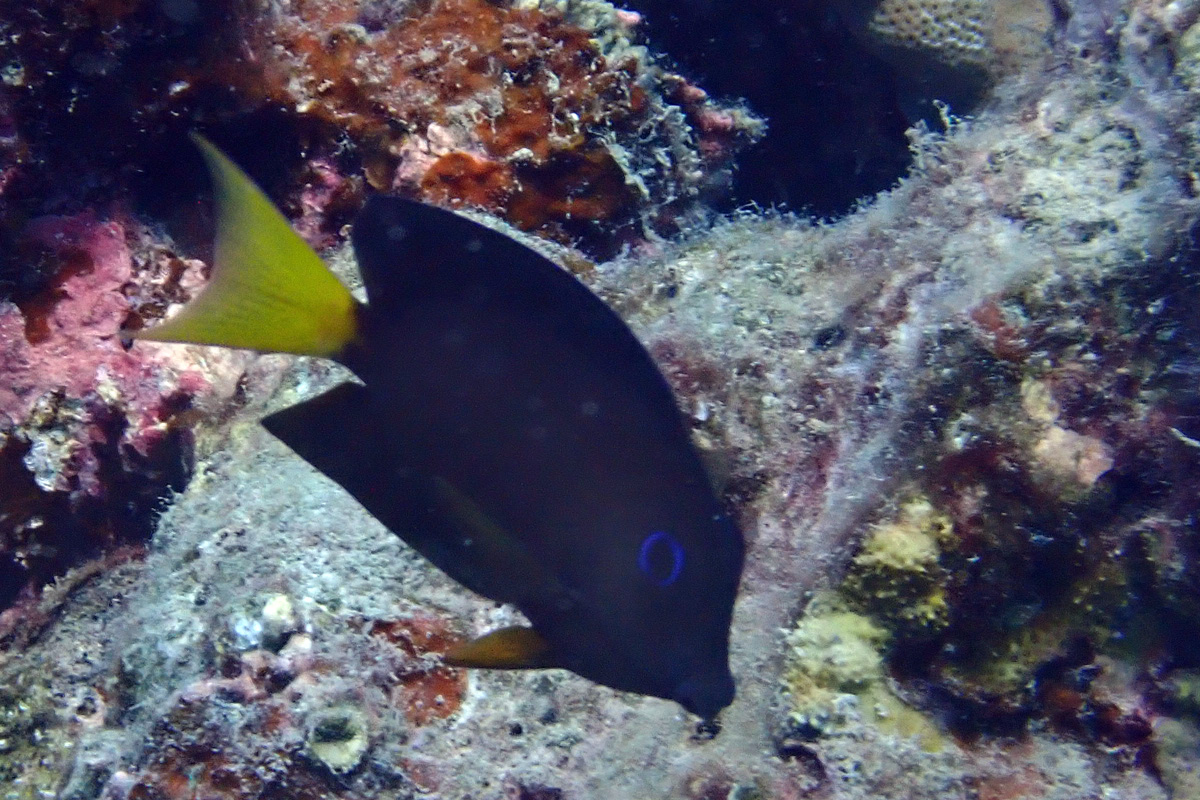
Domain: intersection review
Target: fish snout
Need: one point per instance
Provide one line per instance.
(705, 695)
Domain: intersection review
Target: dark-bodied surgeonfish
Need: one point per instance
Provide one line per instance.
(508, 426)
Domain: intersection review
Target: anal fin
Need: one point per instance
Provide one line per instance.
(329, 432)
(339, 435)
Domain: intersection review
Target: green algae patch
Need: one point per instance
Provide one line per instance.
(836, 676)
(838, 650)
(897, 577)
(894, 592)
(34, 747)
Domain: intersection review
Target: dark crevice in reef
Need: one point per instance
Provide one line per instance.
(174, 186)
(836, 126)
(45, 533)
(88, 104)
(12, 579)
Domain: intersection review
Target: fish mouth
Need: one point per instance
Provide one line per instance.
(705, 695)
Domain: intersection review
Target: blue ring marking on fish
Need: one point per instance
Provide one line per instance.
(648, 545)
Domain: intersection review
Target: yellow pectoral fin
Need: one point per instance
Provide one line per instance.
(517, 647)
(269, 291)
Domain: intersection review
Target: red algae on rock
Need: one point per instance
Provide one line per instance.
(529, 115)
(434, 691)
(316, 727)
(87, 433)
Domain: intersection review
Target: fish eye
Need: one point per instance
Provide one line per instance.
(661, 558)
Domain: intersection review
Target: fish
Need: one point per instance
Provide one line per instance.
(504, 422)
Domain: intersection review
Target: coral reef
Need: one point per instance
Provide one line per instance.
(957, 31)
(958, 426)
(949, 52)
(837, 677)
(993, 36)
(575, 131)
(558, 122)
(89, 440)
(559, 127)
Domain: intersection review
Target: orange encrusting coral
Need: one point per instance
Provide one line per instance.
(459, 178)
(430, 692)
(550, 99)
(584, 184)
(528, 93)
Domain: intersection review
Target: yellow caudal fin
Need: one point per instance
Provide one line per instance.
(268, 291)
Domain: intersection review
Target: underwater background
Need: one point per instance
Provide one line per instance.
(922, 276)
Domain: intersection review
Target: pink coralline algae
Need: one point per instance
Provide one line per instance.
(86, 427)
(68, 335)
